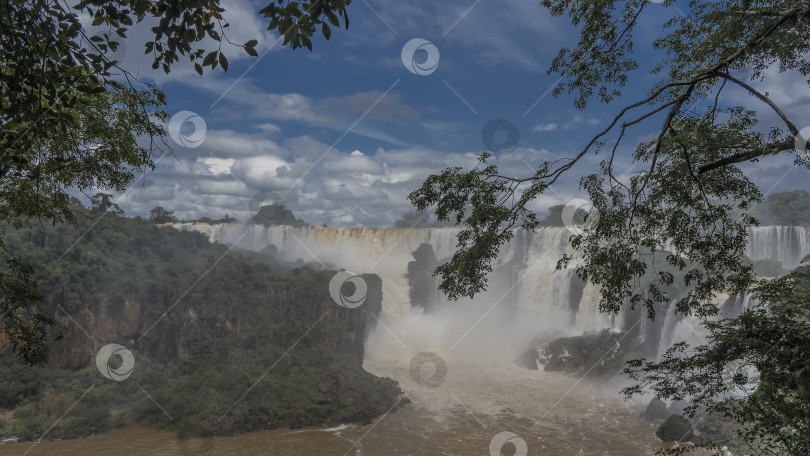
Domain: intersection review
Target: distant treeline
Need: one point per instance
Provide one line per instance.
(785, 208)
(273, 214)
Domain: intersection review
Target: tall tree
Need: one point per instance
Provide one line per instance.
(689, 207)
(100, 149)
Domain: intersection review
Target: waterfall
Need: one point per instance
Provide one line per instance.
(787, 244)
(526, 296)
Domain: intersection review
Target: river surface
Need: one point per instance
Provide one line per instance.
(554, 414)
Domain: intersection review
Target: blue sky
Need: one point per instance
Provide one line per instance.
(342, 134)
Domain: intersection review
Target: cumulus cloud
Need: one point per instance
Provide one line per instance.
(346, 137)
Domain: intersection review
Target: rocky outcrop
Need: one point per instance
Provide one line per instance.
(714, 430)
(705, 429)
(276, 214)
(420, 276)
(656, 410)
(676, 428)
(593, 354)
(528, 359)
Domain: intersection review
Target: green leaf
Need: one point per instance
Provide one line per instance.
(223, 61)
(327, 32)
(333, 18)
(198, 68)
(210, 58)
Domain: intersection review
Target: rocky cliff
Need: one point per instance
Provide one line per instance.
(224, 341)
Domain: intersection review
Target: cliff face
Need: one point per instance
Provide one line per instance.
(277, 309)
(206, 325)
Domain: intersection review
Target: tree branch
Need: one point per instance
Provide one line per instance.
(746, 156)
(791, 126)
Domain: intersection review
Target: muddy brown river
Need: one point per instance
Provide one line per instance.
(529, 412)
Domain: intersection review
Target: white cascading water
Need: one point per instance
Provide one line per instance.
(787, 244)
(526, 297)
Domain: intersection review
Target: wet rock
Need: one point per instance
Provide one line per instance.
(528, 359)
(708, 429)
(592, 354)
(676, 428)
(656, 410)
(420, 277)
(677, 407)
(717, 430)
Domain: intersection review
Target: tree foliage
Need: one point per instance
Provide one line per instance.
(71, 117)
(160, 215)
(754, 368)
(49, 61)
(689, 208)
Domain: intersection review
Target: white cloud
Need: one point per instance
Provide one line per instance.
(263, 173)
(545, 127)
